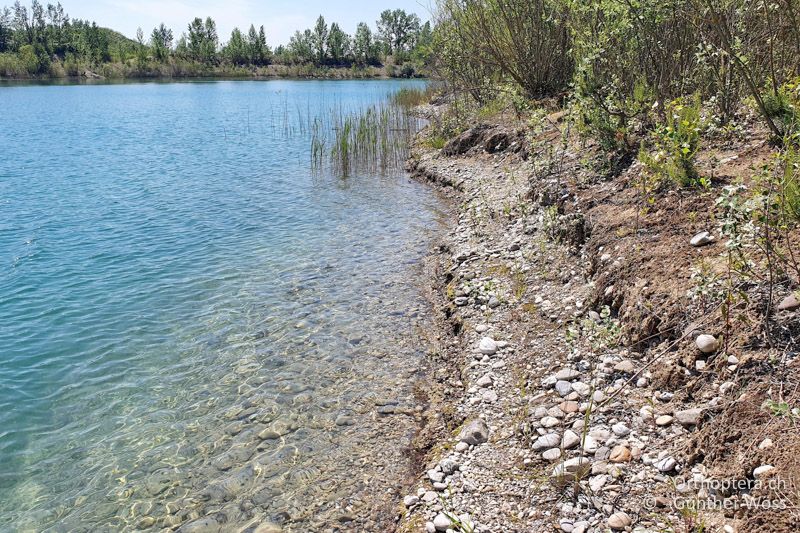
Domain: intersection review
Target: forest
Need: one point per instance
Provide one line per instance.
(42, 41)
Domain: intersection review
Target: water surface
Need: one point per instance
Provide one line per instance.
(192, 325)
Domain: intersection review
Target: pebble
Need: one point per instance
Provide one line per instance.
(481, 328)
(664, 420)
(553, 454)
(563, 387)
(621, 430)
(487, 346)
(763, 471)
(570, 440)
(707, 343)
(667, 464)
(549, 422)
(625, 366)
(441, 522)
(410, 501)
(620, 454)
(567, 374)
(689, 417)
(544, 442)
(474, 433)
(790, 303)
(619, 521)
(701, 239)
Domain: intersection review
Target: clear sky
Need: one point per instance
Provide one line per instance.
(279, 17)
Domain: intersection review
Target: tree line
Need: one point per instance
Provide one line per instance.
(34, 38)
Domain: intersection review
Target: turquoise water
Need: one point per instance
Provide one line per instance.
(191, 324)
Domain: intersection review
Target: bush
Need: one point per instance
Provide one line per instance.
(526, 41)
(677, 143)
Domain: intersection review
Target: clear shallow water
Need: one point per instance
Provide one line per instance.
(191, 325)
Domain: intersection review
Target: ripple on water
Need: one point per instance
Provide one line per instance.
(197, 335)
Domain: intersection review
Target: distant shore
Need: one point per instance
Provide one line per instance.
(117, 72)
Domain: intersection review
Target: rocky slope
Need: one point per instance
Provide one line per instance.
(576, 387)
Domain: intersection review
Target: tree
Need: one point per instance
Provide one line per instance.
(398, 30)
(259, 52)
(301, 47)
(202, 40)
(364, 49)
(236, 50)
(141, 48)
(338, 44)
(320, 39)
(161, 42)
(5, 29)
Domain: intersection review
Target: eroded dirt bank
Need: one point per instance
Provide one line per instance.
(582, 380)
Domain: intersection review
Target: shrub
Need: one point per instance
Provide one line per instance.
(676, 143)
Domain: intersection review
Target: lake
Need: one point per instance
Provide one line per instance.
(197, 330)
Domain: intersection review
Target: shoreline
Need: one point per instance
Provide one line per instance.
(536, 421)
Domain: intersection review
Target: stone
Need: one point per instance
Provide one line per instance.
(621, 430)
(596, 483)
(666, 465)
(551, 440)
(429, 527)
(664, 420)
(268, 527)
(461, 301)
(441, 522)
(763, 471)
(570, 440)
(493, 302)
(581, 388)
(766, 443)
(549, 422)
(481, 328)
(619, 521)
(448, 466)
(435, 476)
(410, 500)
(485, 381)
(553, 454)
(567, 374)
(462, 447)
(707, 343)
(474, 433)
(701, 239)
(573, 468)
(790, 303)
(344, 420)
(569, 407)
(689, 417)
(563, 387)
(625, 366)
(620, 454)
(487, 346)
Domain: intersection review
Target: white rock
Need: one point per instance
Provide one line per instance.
(701, 239)
(707, 343)
(667, 464)
(664, 420)
(442, 522)
(549, 422)
(544, 442)
(410, 501)
(621, 430)
(570, 440)
(563, 387)
(619, 521)
(553, 454)
(763, 471)
(487, 346)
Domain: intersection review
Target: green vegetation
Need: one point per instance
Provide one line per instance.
(43, 41)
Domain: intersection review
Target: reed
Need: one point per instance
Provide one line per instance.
(375, 140)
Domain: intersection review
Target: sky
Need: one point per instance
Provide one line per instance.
(280, 17)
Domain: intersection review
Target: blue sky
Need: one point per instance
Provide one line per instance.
(279, 17)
